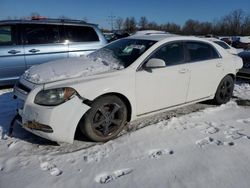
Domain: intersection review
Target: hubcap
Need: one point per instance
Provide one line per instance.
(107, 119)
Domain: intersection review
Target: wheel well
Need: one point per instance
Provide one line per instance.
(125, 100)
(233, 76)
(89, 103)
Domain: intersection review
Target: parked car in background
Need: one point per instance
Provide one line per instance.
(109, 36)
(24, 43)
(245, 71)
(241, 42)
(116, 35)
(150, 32)
(211, 36)
(224, 45)
(227, 40)
(125, 80)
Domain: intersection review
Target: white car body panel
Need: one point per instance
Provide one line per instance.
(147, 93)
(205, 76)
(230, 49)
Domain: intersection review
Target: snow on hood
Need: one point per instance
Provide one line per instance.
(68, 68)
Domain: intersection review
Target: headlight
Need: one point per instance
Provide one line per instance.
(53, 97)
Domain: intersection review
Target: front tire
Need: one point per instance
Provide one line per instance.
(105, 119)
(225, 90)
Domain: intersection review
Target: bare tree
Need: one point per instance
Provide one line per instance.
(153, 26)
(234, 23)
(231, 24)
(143, 23)
(171, 28)
(118, 23)
(191, 27)
(130, 24)
(237, 19)
(246, 25)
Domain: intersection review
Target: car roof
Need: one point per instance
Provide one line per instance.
(161, 37)
(152, 36)
(212, 39)
(47, 21)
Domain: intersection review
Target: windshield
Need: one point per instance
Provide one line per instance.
(222, 44)
(122, 52)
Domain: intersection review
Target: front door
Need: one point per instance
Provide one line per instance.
(160, 88)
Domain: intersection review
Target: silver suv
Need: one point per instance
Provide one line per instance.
(24, 43)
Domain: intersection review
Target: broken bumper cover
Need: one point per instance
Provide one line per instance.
(57, 123)
(33, 125)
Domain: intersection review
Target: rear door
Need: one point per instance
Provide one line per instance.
(12, 63)
(43, 43)
(206, 70)
(82, 40)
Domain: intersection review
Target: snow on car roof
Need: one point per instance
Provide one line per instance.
(153, 36)
(148, 32)
(159, 37)
(212, 39)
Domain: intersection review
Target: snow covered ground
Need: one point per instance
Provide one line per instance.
(203, 148)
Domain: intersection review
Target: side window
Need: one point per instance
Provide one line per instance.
(6, 35)
(172, 54)
(41, 34)
(222, 44)
(199, 51)
(81, 34)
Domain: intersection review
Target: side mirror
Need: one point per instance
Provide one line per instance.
(155, 63)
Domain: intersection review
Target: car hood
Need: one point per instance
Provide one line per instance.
(67, 68)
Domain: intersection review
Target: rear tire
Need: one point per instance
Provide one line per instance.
(105, 119)
(225, 90)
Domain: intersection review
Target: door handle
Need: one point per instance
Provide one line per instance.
(218, 64)
(182, 71)
(34, 50)
(14, 52)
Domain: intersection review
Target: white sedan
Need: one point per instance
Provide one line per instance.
(125, 80)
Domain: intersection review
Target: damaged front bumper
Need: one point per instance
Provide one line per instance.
(33, 125)
(57, 123)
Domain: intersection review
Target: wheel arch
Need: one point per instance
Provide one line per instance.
(232, 75)
(123, 98)
(216, 98)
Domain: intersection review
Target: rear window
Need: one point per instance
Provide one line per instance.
(199, 51)
(41, 34)
(81, 34)
(6, 35)
(222, 44)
